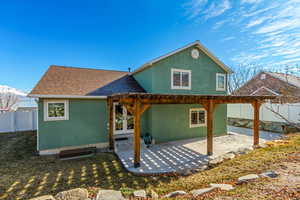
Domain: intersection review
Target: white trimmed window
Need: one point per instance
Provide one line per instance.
(197, 117)
(56, 110)
(181, 79)
(220, 82)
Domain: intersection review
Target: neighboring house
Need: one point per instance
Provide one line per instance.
(271, 83)
(274, 115)
(73, 101)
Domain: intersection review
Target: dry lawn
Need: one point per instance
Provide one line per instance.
(25, 175)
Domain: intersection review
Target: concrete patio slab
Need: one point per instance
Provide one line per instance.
(185, 154)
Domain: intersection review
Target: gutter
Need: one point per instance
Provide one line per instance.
(65, 96)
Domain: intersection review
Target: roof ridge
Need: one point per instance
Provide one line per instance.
(63, 66)
(196, 42)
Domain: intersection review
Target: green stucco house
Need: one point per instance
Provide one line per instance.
(72, 102)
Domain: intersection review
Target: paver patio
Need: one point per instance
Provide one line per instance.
(185, 154)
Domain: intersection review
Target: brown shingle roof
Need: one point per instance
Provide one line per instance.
(61, 80)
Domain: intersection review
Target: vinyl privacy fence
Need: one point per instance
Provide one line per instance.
(245, 111)
(18, 121)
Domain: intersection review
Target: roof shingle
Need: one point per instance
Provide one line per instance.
(61, 80)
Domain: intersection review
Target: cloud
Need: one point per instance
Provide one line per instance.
(205, 9)
(284, 24)
(228, 38)
(194, 7)
(265, 31)
(257, 22)
(216, 8)
(250, 1)
(248, 58)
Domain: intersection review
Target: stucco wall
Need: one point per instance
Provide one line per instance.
(87, 124)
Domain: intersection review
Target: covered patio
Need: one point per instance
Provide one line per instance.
(138, 103)
(183, 155)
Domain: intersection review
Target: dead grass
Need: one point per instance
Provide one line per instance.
(25, 175)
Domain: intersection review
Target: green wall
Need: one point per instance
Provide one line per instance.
(157, 79)
(171, 122)
(87, 124)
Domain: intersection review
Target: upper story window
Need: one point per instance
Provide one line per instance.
(56, 110)
(220, 82)
(181, 79)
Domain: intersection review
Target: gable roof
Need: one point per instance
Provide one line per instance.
(288, 78)
(264, 90)
(274, 83)
(74, 82)
(196, 43)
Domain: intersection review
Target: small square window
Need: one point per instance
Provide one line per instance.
(56, 110)
(180, 79)
(197, 117)
(220, 82)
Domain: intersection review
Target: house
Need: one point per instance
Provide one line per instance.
(73, 110)
(278, 114)
(271, 83)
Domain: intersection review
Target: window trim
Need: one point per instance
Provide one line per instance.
(197, 125)
(181, 87)
(46, 116)
(217, 82)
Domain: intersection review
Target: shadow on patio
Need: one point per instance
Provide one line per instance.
(185, 154)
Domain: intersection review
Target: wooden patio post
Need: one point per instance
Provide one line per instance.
(209, 107)
(110, 123)
(137, 133)
(256, 106)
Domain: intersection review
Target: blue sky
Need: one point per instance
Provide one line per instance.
(121, 34)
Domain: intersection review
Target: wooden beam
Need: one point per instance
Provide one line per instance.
(110, 123)
(144, 108)
(186, 100)
(129, 108)
(137, 133)
(209, 107)
(256, 106)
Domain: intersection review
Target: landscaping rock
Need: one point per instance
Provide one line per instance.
(175, 194)
(247, 178)
(185, 172)
(45, 197)
(270, 174)
(109, 195)
(153, 195)
(228, 156)
(244, 150)
(200, 192)
(263, 145)
(140, 193)
(74, 194)
(226, 187)
(215, 162)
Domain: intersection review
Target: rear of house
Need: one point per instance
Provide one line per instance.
(73, 107)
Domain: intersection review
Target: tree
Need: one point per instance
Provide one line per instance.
(244, 73)
(9, 99)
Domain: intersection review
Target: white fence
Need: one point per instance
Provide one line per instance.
(245, 111)
(18, 121)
